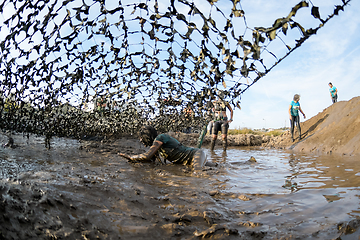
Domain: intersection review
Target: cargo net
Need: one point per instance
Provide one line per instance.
(103, 68)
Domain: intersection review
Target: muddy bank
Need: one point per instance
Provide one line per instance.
(84, 190)
(334, 130)
(240, 140)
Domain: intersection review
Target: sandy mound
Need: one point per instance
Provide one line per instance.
(334, 130)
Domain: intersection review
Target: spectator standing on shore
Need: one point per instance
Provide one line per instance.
(294, 109)
(333, 92)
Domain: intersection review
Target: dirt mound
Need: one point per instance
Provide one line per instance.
(238, 140)
(334, 130)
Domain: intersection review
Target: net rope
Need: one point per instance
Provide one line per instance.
(100, 67)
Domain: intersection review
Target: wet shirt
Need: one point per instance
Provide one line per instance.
(219, 107)
(295, 108)
(333, 91)
(174, 151)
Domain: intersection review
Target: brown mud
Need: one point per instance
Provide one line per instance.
(241, 140)
(84, 190)
(334, 130)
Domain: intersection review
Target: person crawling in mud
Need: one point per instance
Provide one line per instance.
(167, 147)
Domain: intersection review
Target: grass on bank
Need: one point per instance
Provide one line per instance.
(273, 133)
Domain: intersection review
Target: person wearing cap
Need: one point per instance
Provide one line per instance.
(221, 121)
(294, 109)
(333, 92)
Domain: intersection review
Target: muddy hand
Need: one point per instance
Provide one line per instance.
(125, 156)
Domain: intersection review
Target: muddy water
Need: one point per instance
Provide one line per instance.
(245, 193)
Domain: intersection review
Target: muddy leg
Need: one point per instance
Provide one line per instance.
(212, 144)
(298, 126)
(225, 144)
(224, 131)
(215, 130)
(292, 124)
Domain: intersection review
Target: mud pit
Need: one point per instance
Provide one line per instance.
(84, 190)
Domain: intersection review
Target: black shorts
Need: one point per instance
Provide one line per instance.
(221, 125)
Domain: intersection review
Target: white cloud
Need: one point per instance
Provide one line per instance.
(331, 55)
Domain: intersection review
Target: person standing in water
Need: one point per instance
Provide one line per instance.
(188, 117)
(294, 109)
(167, 147)
(333, 92)
(221, 121)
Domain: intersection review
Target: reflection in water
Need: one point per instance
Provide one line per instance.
(252, 187)
(294, 186)
(275, 170)
(32, 155)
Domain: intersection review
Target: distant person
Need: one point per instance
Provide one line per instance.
(169, 148)
(221, 121)
(188, 116)
(101, 104)
(333, 93)
(294, 109)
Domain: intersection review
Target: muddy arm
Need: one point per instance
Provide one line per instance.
(231, 112)
(144, 156)
(302, 112)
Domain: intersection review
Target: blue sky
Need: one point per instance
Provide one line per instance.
(332, 55)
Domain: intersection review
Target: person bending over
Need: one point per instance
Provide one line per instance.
(167, 147)
(294, 109)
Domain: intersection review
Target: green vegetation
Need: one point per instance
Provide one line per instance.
(242, 131)
(273, 133)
